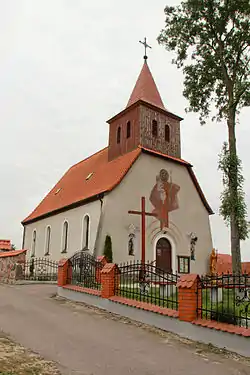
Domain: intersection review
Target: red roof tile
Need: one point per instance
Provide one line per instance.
(224, 264)
(145, 89)
(11, 253)
(5, 245)
(73, 188)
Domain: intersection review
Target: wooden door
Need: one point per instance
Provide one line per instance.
(164, 255)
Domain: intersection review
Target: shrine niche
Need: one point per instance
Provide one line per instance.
(164, 197)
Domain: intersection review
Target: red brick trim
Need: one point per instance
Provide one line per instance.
(14, 253)
(81, 289)
(145, 306)
(230, 328)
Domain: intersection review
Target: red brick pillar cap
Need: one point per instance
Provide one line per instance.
(62, 262)
(188, 281)
(109, 267)
(102, 259)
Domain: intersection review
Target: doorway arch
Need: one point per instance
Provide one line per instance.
(164, 254)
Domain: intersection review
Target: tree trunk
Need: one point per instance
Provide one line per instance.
(233, 173)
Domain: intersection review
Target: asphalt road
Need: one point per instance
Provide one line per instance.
(88, 341)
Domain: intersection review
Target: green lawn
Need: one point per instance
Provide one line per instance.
(225, 310)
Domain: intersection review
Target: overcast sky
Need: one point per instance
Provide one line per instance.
(66, 66)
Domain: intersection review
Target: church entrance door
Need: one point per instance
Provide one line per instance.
(164, 255)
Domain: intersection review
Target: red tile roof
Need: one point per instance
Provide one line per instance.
(75, 189)
(145, 89)
(11, 253)
(224, 264)
(5, 245)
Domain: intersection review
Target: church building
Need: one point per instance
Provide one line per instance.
(94, 197)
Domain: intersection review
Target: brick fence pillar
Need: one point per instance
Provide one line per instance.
(63, 266)
(109, 278)
(189, 297)
(102, 260)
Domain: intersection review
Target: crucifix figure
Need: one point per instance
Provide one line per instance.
(145, 46)
(143, 215)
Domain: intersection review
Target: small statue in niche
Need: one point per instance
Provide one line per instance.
(193, 240)
(131, 246)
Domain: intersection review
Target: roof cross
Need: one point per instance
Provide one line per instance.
(145, 46)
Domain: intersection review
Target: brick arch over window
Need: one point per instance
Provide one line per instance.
(118, 135)
(47, 240)
(128, 129)
(154, 128)
(85, 231)
(65, 236)
(167, 133)
(33, 245)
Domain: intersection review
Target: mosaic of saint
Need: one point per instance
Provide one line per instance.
(164, 197)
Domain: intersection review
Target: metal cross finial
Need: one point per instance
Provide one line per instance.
(145, 46)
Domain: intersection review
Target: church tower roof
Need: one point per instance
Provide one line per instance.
(145, 89)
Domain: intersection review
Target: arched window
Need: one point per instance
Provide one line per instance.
(154, 128)
(65, 237)
(128, 129)
(118, 136)
(85, 232)
(47, 240)
(33, 245)
(167, 133)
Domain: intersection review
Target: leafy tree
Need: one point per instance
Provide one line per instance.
(211, 39)
(108, 249)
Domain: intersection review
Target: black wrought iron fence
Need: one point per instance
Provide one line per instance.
(225, 298)
(147, 283)
(85, 270)
(40, 269)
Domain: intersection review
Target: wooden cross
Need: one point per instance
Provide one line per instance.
(143, 214)
(145, 46)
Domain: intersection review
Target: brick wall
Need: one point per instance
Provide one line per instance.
(12, 266)
(189, 297)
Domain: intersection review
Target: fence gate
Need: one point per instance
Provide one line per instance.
(85, 270)
(40, 269)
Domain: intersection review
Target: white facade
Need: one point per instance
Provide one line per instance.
(191, 216)
(76, 232)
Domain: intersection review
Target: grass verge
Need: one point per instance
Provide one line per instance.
(15, 360)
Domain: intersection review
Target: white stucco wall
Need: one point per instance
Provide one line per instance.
(75, 219)
(191, 216)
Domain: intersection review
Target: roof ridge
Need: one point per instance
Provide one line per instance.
(165, 155)
(81, 161)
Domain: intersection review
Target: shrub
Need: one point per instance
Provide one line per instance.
(224, 314)
(107, 252)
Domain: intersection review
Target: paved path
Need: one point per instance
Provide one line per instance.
(84, 341)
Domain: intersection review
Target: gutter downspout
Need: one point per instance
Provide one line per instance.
(24, 231)
(99, 228)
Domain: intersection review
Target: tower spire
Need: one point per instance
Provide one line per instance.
(145, 89)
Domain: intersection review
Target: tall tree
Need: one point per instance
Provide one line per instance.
(211, 39)
(107, 251)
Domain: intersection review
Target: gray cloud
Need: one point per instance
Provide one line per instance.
(65, 68)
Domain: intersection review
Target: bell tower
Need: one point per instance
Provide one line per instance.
(145, 121)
